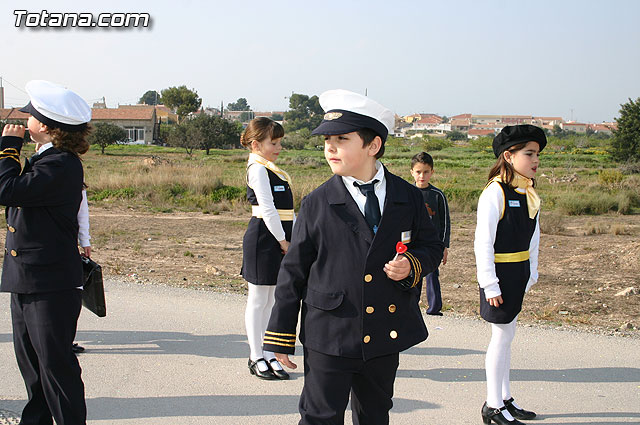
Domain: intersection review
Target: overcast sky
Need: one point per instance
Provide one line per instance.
(575, 59)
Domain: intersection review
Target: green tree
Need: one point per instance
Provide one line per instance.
(184, 135)
(626, 139)
(456, 135)
(182, 99)
(246, 116)
(557, 131)
(304, 112)
(277, 117)
(150, 97)
(214, 132)
(105, 134)
(239, 105)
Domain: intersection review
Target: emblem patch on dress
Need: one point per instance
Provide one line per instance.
(514, 203)
(278, 188)
(405, 237)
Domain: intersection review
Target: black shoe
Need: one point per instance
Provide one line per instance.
(435, 313)
(279, 373)
(77, 348)
(517, 412)
(490, 414)
(267, 374)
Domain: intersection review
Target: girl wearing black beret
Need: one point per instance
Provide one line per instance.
(506, 249)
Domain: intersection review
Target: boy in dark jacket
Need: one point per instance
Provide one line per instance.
(42, 268)
(359, 302)
(438, 208)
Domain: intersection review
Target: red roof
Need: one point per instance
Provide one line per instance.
(123, 112)
(429, 119)
(477, 132)
(12, 114)
(460, 122)
(461, 116)
(600, 127)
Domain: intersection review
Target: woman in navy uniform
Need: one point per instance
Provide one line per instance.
(359, 304)
(42, 268)
(506, 248)
(266, 239)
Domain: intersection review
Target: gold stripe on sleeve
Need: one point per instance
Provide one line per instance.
(279, 334)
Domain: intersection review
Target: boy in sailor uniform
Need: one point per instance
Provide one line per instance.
(359, 304)
(42, 268)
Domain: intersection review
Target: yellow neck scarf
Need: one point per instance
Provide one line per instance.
(522, 182)
(254, 157)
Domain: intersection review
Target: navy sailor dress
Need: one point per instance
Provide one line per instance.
(513, 238)
(261, 253)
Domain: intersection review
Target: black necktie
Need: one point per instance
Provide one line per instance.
(371, 207)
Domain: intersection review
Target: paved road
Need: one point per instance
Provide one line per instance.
(178, 356)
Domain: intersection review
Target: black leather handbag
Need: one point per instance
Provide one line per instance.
(93, 291)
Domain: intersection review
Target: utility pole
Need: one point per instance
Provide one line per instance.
(1, 95)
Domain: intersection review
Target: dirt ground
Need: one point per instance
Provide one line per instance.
(583, 264)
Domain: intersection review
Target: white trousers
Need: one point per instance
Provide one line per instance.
(498, 363)
(256, 318)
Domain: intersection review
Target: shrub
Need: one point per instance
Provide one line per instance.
(552, 223)
(434, 144)
(610, 178)
(122, 193)
(597, 203)
(462, 198)
(481, 144)
(228, 193)
(630, 167)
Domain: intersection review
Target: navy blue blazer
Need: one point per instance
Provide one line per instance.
(333, 271)
(42, 202)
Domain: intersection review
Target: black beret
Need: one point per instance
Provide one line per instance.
(515, 134)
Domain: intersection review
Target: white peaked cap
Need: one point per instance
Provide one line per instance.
(359, 104)
(57, 103)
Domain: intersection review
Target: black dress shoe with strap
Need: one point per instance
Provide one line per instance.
(279, 372)
(267, 374)
(490, 414)
(518, 413)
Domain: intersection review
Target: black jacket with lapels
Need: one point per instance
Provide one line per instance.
(350, 308)
(42, 202)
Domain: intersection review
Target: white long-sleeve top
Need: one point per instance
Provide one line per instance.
(83, 222)
(258, 180)
(490, 208)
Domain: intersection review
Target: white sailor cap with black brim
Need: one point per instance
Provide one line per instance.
(346, 112)
(56, 106)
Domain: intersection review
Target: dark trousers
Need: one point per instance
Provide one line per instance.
(434, 297)
(44, 326)
(328, 381)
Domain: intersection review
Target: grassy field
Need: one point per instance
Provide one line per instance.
(160, 179)
(160, 216)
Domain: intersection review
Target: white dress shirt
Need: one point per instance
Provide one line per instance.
(380, 188)
(83, 222)
(490, 207)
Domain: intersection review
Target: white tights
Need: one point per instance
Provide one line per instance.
(497, 364)
(256, 318)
